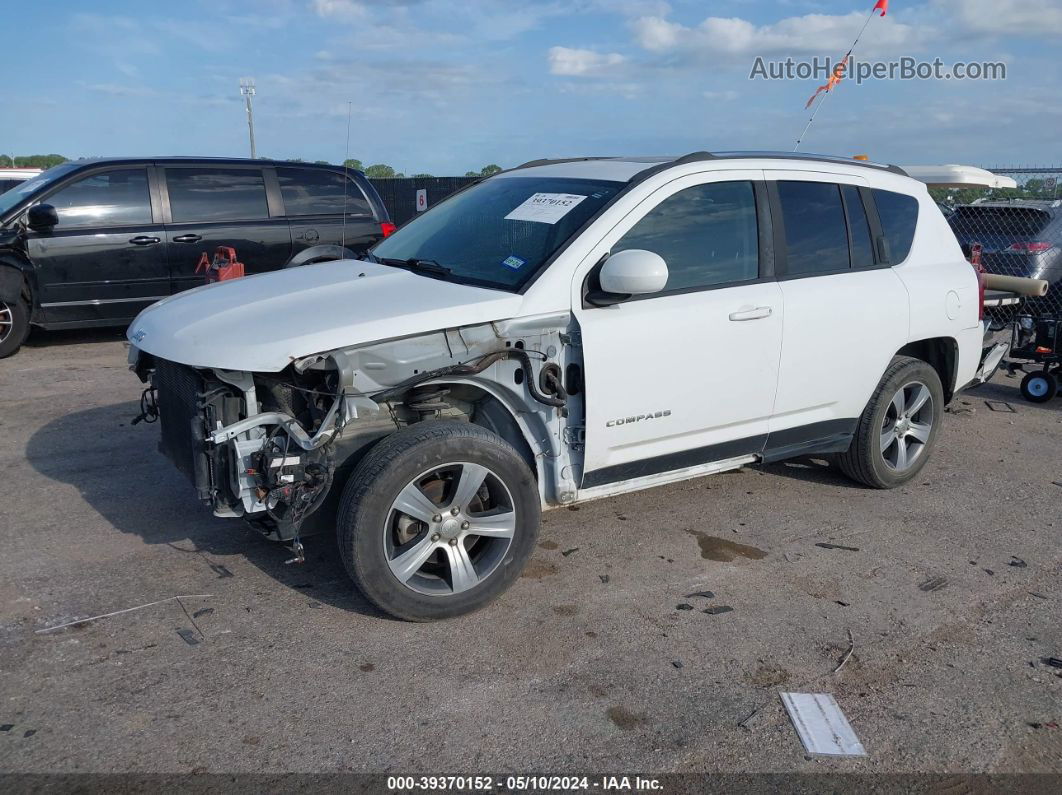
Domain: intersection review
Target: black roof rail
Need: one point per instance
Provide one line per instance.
(692, 157)
(545, 161)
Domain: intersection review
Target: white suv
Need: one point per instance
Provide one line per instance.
(564, 331)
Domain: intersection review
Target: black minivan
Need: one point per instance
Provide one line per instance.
(93, 242)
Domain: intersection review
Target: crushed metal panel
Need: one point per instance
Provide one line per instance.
(823, 728)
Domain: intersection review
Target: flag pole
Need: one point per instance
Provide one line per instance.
(822, 101)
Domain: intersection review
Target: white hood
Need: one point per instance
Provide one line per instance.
(263, 322)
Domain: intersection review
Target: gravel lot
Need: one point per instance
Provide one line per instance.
(952, 592)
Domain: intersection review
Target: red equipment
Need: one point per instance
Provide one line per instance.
(223, 267)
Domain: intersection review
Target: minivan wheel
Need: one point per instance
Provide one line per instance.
(438, 520)
(14, 326)
(898, 428)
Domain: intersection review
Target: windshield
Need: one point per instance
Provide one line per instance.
(17, 194)
(497, 233)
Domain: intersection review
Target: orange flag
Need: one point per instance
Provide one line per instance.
(836, 77)
(883, 5)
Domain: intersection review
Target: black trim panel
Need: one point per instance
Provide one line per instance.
(669, 463)
(831, 436)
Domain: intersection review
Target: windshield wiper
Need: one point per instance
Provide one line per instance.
(427, 266)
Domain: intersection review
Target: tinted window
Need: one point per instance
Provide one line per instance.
(8, 184)
(216, 194)
(707, 235)
(109, 199)
(313, 192)
(500, 232)
(899, 215)
(815, 234)
(862, 244)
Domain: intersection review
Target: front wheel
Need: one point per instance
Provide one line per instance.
(14, 326)
(438, 520)
(898, 428)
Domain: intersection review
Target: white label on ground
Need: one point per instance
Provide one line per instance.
(546, 208)
(822, 726)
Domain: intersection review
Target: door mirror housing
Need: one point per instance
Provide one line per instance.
(42, 216)
(634, 272)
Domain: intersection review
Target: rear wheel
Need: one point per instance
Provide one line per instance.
(14, 326)
(1039, 387)
(898, 428)
(438, 520)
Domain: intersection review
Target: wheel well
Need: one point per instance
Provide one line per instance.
(940, 353)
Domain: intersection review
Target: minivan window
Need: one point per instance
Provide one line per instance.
(899, 216)
(499, 232)
(110, 198)
(319, 192)
(859, 227)
(706, 234)
(216, 194)
(21, 192)
(815, 234)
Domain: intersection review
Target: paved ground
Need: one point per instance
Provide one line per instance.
(585, 665)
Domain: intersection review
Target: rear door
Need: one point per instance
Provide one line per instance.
(326, 208)
(846, 311)
(104, 261)
(208, 206)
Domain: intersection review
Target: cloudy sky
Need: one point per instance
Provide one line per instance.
(450, 85)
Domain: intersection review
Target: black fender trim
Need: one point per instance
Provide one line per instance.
(320, 253)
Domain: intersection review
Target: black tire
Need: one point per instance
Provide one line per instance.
(1039, 387)
(367, 514)
(14, 326)
(865, 460)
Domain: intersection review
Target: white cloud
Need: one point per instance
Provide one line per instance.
(812, 33)
(722, 96)
(345, 10)
(1006, 17)
(583, 63)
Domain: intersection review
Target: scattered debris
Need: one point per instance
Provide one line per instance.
(1056, 482)
(203, 611)
(7, 727)
(188, 636)
(315, 604)
(625, 719)
(989, 572)
(571, 551)
(1051, 725)
(573, 507)
(719, 549)
(1037, 595)
(953, 409)
(677, 663)
(847, 654)
(718, 611)
(822, 727)
(703, 594)
(683, 606)
(999, 405)
(842, 604)
(1017, 562)
(120, 612)
(221, 570)
(29, 732)
(549, 545)
(838, 546)
(934, 584)
(604, 578)
(1054, 662)
(367, 667)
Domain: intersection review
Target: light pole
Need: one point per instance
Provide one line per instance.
(247, 89)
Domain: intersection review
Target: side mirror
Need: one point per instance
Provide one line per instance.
(42, 216)
(634, 272)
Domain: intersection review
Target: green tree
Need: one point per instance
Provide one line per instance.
(423, 176)
(491, 170)
(39, 161)
(322, 162)
(6, 161)
(354, 164)
(380, 171)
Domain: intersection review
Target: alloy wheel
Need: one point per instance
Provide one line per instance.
(449, 529)
(907, 425)
(7, 321)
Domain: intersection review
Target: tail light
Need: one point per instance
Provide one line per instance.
(979, 269)
(387, 228)
(1031, 248)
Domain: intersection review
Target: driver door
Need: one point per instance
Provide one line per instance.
(686, 376)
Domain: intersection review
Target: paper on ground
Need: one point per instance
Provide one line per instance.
(546, 208)
(822, 726)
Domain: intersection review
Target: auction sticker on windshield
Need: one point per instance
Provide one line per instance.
(545, 208)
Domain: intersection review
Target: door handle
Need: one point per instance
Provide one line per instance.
(757, 313)
(143, 240)
(192, 238)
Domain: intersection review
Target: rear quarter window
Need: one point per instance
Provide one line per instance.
(320, 192)
(898, 213)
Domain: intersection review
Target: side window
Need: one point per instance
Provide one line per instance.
(216, 194)
(815, 234)
(899, 216)
(112, 198)
(862, 244)
(320, 192)
(707, 234)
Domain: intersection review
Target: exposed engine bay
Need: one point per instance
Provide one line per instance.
(268, 447)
